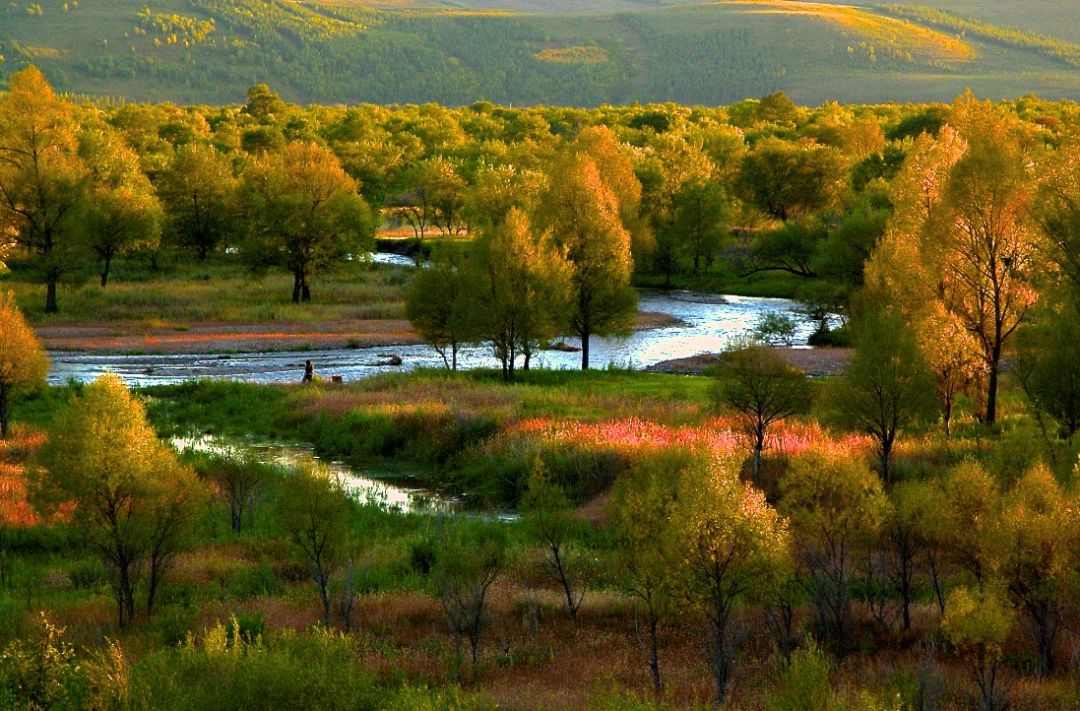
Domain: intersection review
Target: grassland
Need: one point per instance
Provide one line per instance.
(588, 54)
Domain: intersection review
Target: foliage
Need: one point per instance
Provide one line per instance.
(23, 363)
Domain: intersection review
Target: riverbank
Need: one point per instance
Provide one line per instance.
(815, 362)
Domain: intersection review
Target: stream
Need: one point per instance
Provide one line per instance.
(394, 492)
(705, 323)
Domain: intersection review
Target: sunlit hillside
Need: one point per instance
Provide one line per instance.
(528, 52)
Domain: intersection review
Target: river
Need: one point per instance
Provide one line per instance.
(706, 323)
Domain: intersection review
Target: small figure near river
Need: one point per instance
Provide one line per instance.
(309, 372)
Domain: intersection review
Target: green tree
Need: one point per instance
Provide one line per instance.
(978, 623)
(468, 560)
(1048, 366)
(1032, 543)
(701, 212)
(23, 363)
(788, 181)
(756, 383)
(519, 286)
(42, 179)
(305, 214)
(733, 544)
(133, 501)
(437, 305)
(549, 515)
(582, 213)
(312, 508)
(888, 387)
(122, 214)
(646, 557)
(198, 192)
(836, 506)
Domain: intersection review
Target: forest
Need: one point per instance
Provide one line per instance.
(901, 532)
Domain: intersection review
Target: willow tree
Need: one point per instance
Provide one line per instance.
(582, 213)
(23, 363)
(305, 214)
(42, 178)
(134, 502)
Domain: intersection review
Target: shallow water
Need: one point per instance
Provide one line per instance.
(707, 323)
(394, 493)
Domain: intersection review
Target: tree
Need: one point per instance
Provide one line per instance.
(952, 355)
(915, 514)
(887, 387)
(198, 190)
(519, 286)
(582, 213)
(988, 242)
(550, 517)
(835, 506)
(790, 180)
(644, 544)
(1032, 544)
(42, 179)
(437, 306)
(434, 195)
(468, 559)
(701, 211)
(122, 214)
(732, 543)
(978, 623)
(263, 104)
(755, 382)
(1049, 367)
(132, 500)
(239, 481)
(305, 214)
(23, 363)
(312, 508)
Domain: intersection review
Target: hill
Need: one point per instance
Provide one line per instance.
(525, 52)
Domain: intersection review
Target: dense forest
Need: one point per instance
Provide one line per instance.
(901, 534)
(584, 55)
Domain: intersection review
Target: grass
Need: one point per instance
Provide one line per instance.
(188, 292)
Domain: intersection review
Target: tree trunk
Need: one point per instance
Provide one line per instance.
(992, 386)
(105, 271)
(759, 445)
(720, 663)
(585, 333)
(5, 413)
(50, 296)
(296, 288)
(654, 654)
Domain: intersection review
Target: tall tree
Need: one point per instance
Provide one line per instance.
(888, 387)
(788, 181)
(437, 304)
(133, 501)
(988, 239)
(198, 192)
(123, 214)
(582, 213)
(23, 363)
(519, 285)
(42, 179)
(305, 214)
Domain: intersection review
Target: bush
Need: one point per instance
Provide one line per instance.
(804, 683)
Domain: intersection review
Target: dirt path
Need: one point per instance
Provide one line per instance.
(223, 337)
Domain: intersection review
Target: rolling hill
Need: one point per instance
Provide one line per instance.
(585, 52)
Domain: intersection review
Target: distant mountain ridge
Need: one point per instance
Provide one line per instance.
(582, 52)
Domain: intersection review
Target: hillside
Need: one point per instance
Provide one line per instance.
(524, 52)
